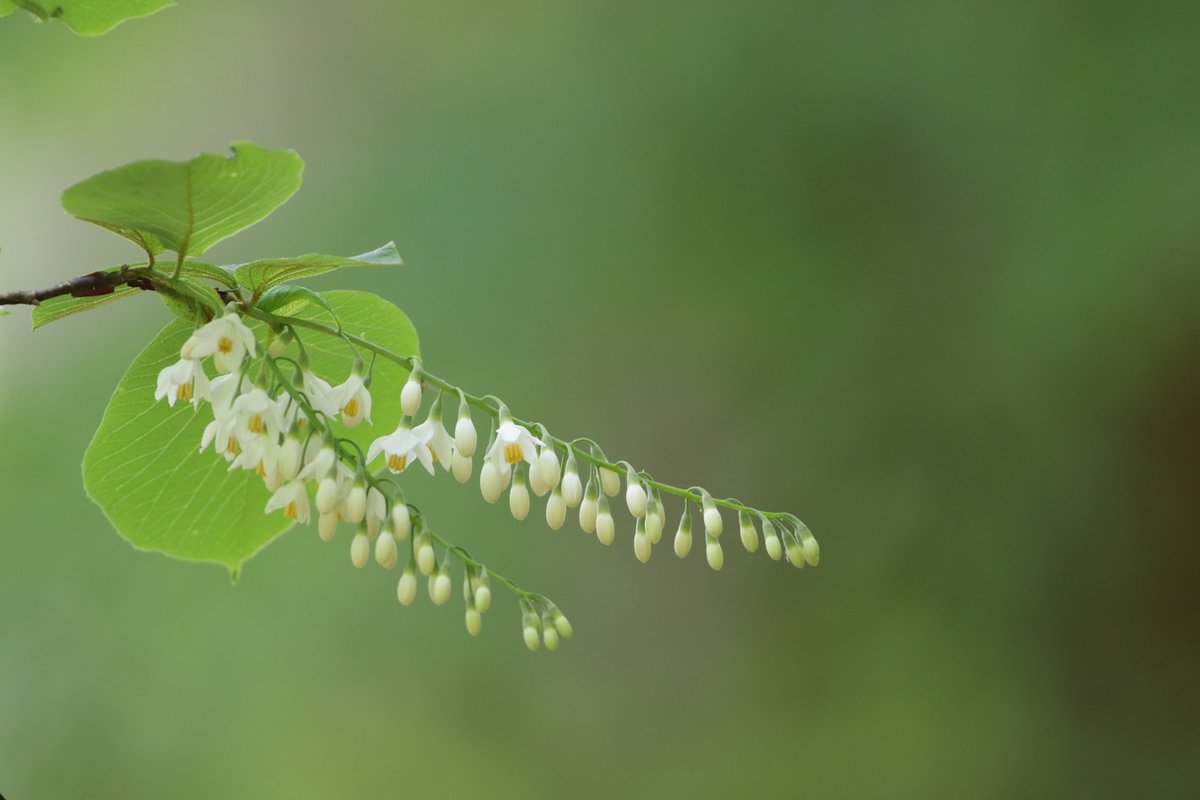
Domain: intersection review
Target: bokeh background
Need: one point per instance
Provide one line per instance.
(924, 273)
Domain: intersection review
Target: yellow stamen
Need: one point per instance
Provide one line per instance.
(433, 453)
(262, 469)
(255, 424)
(225, 344)
(290, 511)
(513, 453)
(351, 408)
(234, 447)
(397, 463)
(184, 392)
(301, 422)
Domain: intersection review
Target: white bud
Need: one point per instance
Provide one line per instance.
(327, 526)
(518, 499)
(401, 520)
(327, 495)
(811, 551)
(483, 598)
(440, 587)
(712, 521)
(771, 540)
(635, 498)
(556, 510)
(654, 523)
(460, 467)
(410, 395)
(550, 637)
(683, 543)
(354, 509)
(426, 558)
(489, 482)
(532, 640)
(606, 530)
(610, 481)
(360, 550)
(748, 532)
(549, 467)
(641, 543)
(795, 554)
(563, 625)
(277, 347)
(536, 483)
(572, 488)
(406, 590)
(587, 514)
(386, 552)
(474, 621)
(465, 439)
(289, 458)
(716, 556)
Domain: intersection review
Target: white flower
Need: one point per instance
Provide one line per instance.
(292, 497)
(410, 395)
(353, 400)
(260, 454)
(320, 462)
(513, 444)
(257, 413)
(404, 445)
(550, 637)
(464, 431)
(321, 396)
(483, 598)
(440, 446)
(226, 339)
(222, 434)
(376, 511)
(184, 380)
(222, 392)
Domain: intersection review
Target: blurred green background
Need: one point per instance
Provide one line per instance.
(923, 273)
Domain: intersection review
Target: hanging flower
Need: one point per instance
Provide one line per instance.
(404, 445)
(185, 381)
(513, 444)
(226, 339)
(292, 497)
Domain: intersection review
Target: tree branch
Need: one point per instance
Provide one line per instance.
(93, 284)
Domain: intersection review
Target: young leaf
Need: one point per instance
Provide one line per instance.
(187, 206)
(58, 307)
(259, 276)
(289, 300)
(87, 17)
(143, 467)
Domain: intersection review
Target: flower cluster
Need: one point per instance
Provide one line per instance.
(280, 429)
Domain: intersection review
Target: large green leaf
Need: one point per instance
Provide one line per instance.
(258, 276)
(187, 206)
(143, 466)
(87, 17)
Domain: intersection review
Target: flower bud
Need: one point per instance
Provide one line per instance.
(426, 557)
(440, 586)
(410, 395)
(360, 549)
(354, 509)
(327, 526)
(587, 509)
(641, 542)
(654, 520)
(550, 637)
(483, 598)
(563, 625)
(289, 457)
(748, 532)
(279, 344)
(548, 467)
(532, 640)
(465, 438)
(536, 483)
(771, 540)
(386, 552)
(572, 487)
(518, 497)
(635, 496)
(712, 549)
(406, 589)
(810, 549)
(712, 517)
(474, 621)
(460, 466)
(556, 509)
(610, 481)
(327, 495)
(489, 482)
(401, 520)
(795, 551)
(606, 531)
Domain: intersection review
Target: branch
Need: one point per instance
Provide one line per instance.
(93, 284)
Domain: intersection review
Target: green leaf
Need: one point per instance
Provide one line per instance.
(258, 276)
(289, 300)
(87, 17)
(144, 470)
(58, 307)
(198, 269)
(187, 307)
(187, 206)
